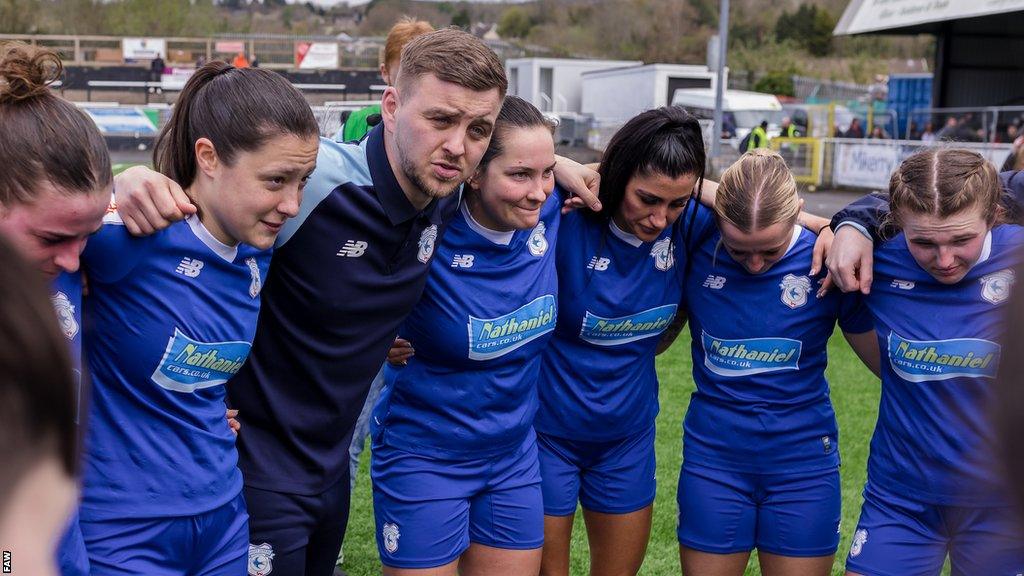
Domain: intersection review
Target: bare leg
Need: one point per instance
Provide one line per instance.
(482, 560)
(618, 542)
(449, 569)
(696, 563)
(775, 565)
(557, 537)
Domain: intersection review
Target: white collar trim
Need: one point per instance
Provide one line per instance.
(228, 253)
(986, 249)
(621, 234)
(796, 237)
(500, 238)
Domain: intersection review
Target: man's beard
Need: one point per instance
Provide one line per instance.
(409, 169)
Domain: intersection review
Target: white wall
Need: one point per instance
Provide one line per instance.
(566, 80)
(621, 94)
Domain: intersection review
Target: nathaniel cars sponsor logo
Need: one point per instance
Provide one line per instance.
(927, 360)
(613, 331)
(188, 365)
(494, 337)
(750, 355)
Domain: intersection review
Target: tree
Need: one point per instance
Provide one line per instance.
(776, 82)
(462, 18)
(515, 23)
(809, 27)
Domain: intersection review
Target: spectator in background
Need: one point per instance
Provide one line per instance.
(240, 61)
(37, 420)
(255, 63)
(200, 61)
(156, 72)
(361, 121)
(855, 130)
(758, 137)
(877, 133)
(787, 129)
(928, 134)
(913, 132)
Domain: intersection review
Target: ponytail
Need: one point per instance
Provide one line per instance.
(237, 109)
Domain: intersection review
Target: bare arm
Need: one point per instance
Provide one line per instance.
(668, 337)
(865, 345)
(148, 201)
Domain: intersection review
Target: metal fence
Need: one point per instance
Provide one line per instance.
(272, 50)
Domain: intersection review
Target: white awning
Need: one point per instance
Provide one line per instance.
(878, 15)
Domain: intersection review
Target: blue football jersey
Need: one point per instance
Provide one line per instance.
(618, 294)
(759, 354)
(67, 302)
(940, 355)
(171, 318)
(479, 330)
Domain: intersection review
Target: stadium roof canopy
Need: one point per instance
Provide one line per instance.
(916, 16)
(979, 44)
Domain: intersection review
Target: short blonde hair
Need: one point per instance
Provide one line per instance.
(401, 34)
(757, 191)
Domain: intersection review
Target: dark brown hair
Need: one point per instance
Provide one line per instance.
(515, 113)
(666, 141)
(37, 395)
(44, 137)
(453, 56)
(943, 182)
(238, 109)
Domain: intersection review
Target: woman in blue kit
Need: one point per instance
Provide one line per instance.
(760, 444)
(456, 480)
(620, 274)
(54, 191)
(171, 317)
(941, 284)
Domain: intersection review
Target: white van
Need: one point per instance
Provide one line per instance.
(741, 110)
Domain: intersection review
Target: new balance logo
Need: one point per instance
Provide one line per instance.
(353, 249)
(599, 264)
(714, 282)
(462, 261)
(903, 284)
(190, 267)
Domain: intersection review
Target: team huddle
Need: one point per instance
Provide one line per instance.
(241, 297)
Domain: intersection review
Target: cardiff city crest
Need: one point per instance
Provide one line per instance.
(795, 290)
(260, 559)
(995, 287)
(662, 254)
(426, 243)
(254, 271)
(391, 534)
(65, 314)
(538, 244)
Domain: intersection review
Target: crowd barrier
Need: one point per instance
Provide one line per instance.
(862, 163)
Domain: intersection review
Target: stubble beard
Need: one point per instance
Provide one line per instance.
(420, 182)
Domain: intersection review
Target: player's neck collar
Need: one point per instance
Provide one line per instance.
(986, 249)
(219, 248)
(500, 238)
(621, 234)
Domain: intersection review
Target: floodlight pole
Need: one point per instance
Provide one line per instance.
(723, 43)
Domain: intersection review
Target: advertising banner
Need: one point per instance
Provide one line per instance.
(313, 55)
(143, 48)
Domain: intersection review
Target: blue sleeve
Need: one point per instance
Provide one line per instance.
(867, 212)
(112, 252)
(1013, 185)
(854, 314)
